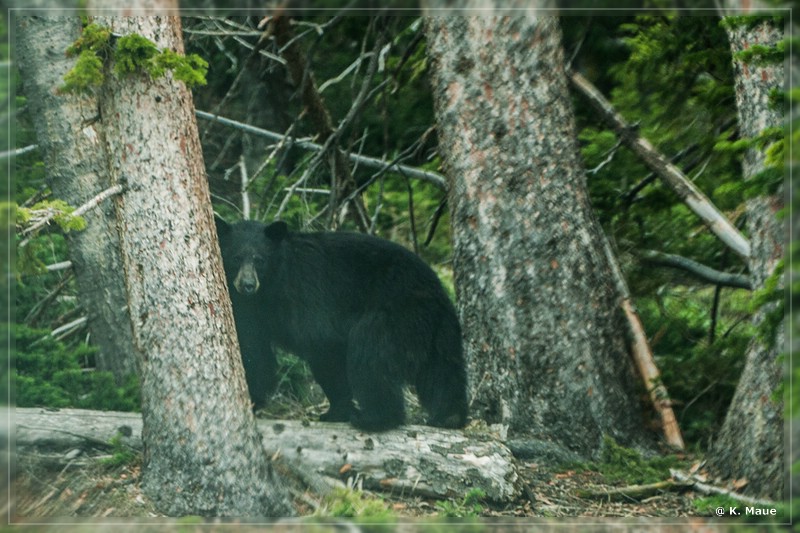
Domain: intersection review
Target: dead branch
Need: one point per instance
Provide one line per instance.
(264, 37)
(91, 204)
(645, 362)
(643, 355)
(435, 220)
(433, 178)
(633, 492)
(18, 152)
(63, 265)
(40, 306)
(64, 331)
(698, 270)
(303, 79)
(672, 176)
(705, 488)
(243, 188)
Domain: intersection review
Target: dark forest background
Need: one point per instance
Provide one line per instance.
(667, 73)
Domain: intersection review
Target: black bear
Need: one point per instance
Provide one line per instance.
(366, 314)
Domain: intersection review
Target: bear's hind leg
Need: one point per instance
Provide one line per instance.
(442, 382)
(376, 375)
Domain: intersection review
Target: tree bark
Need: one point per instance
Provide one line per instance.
(70, 140)
(415, 460)
(750, 445)
(203, 454)
(544, 334)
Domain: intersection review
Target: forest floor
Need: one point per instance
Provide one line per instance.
(58, 488)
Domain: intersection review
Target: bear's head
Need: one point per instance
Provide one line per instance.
(246, 247)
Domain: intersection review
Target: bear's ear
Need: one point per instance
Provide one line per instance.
(223, 228)
(277, 230)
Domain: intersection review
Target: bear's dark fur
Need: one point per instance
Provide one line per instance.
(366, 314)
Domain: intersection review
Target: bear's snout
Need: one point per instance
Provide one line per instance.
(246, 281)
(248, 287)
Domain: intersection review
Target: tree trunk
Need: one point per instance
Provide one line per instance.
(203, 454)
(750, 445)
(70, 140)
(544, 335)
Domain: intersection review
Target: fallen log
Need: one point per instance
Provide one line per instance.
(411, 460)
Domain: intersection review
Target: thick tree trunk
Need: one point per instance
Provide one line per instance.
(71, 142)
(750, 445)
(203, 454)
(544, 335)
(414, 460)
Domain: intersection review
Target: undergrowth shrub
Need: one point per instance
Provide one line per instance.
(49, 374)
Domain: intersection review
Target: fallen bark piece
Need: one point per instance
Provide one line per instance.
(411, 460)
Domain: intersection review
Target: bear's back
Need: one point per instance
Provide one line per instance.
(362, 270)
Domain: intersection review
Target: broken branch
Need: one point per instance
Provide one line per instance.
(672, 176)
(699, 270)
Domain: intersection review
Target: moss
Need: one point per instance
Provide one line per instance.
(58, 209)
(130, 54)
(121, 454)
(620, 464)
(190, 69)
(94, 38)
(93, 47)
(86, 75)
(469, 507)
(761, 55)
(349, 503)
(626, 466)
(708, 506)
(751, 21)
(134, 53)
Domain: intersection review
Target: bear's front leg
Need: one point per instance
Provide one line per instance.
(258, 356)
